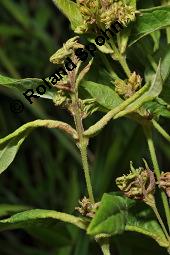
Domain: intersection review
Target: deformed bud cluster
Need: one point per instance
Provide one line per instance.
(87, 208)
(140, 184)
(127, 88)
(164, 182)
(104, 12)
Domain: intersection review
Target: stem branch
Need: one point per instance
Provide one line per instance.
(83, 142)
(148, 133)
(121, 59)
(161, 130)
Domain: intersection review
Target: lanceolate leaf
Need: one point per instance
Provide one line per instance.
(110, 217)
(22, 85)
(9, 145)
(145, 224)
(30, 217)
(149, 21)
(104, 95)
(71, 11)
(117, 214)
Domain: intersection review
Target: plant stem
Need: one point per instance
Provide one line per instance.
(103, 121)
(104, 244)
(109, 68)
(148, 133)
(160, 222)
(121, 59)
(161, 130)
(83, 142)
(83, 150)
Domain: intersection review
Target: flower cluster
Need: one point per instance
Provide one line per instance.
(128, 87)
(87, 208)
(139, 184)
(104, 12)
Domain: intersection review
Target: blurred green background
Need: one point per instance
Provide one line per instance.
(47, 171)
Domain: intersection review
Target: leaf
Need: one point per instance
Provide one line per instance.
(158, 108)
(117, 214)
(110, 217)
(144, 223)
(9, 151)
(156, 39)
(149, 21)
(7, 209)
(29, 218)
(24, 84)
(10, 145)
(71, 11)
(104, 95)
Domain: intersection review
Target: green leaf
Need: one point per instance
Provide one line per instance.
(149, 21)
(144, 223)
(24, 84)
(117, 214)
(10, 145)
(71, 11)
(158, 108)
(7, 209)
(9, 150)
(104, 95)
(156, 35)
(29, 218)
(110, 217)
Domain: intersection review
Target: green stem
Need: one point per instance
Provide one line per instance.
(103, 121)
(83, 150)
(148, 133)
(121, 59)
(105, 247)
(109, 68)
(161, 222)
(83, 142)
(161, 130)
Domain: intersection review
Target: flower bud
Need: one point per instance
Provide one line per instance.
(66, 51)
(87, 208)
(128, 87)
(139, 184)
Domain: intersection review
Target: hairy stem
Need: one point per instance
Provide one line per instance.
(105, 247)
(161, 130)
(148, 133)
(103, 121)
(83, 142)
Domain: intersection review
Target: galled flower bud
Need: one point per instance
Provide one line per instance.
(59, 98)
(164, 182)
(117, 11)
(67, 50)
(139, 184)
(128, 87)
(87, 208)
(104, 13)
